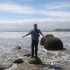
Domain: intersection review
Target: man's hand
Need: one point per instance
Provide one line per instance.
(44, 37)
(23, 36)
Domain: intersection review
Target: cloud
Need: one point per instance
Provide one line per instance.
(56, 13)
(57, 9)
(57, 5)
(47, 10)
(31, 21)
(27, 24)
(26, 0)
(16, 9)
(51, 7)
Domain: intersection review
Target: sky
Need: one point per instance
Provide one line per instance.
(20, 15)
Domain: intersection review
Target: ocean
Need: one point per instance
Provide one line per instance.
(52, 60)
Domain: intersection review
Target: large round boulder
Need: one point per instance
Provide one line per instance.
(43, 39)
(53, 43)
(34, 60)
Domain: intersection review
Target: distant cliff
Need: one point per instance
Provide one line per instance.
(65, 30)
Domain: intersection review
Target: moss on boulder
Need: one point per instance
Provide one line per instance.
(43, 40)
(35, 61)
(53, 43)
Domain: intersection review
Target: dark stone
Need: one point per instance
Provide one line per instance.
(28, 55)
(34, 60)
(53, 43)
(18, 61)
(43, 39)
(18, 47)
(1, 68)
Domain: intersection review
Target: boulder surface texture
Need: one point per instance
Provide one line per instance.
(35, 61)
(51, 42)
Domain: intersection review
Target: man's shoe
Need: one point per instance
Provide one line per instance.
(35, 56)
(32, 56)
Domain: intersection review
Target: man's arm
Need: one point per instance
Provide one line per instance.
(25, 35)
(43, 35)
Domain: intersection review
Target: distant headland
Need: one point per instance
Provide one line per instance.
(62, 30)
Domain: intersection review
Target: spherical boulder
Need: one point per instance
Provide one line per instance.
(43, 39)
(34, 60)
(53, 43)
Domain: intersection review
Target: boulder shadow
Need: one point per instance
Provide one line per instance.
(64, 49)
(52, 66)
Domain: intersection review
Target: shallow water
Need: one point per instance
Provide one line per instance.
(52, 60)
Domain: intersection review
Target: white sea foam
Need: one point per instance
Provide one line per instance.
(10, 40)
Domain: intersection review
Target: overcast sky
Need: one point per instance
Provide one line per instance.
(20, 15)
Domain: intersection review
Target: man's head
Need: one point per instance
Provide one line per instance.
(35, 26)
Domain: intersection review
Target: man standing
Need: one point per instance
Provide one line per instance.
(35, 37)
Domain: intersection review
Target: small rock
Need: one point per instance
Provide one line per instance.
(28, 55)
(18, 47)
(18, 61)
